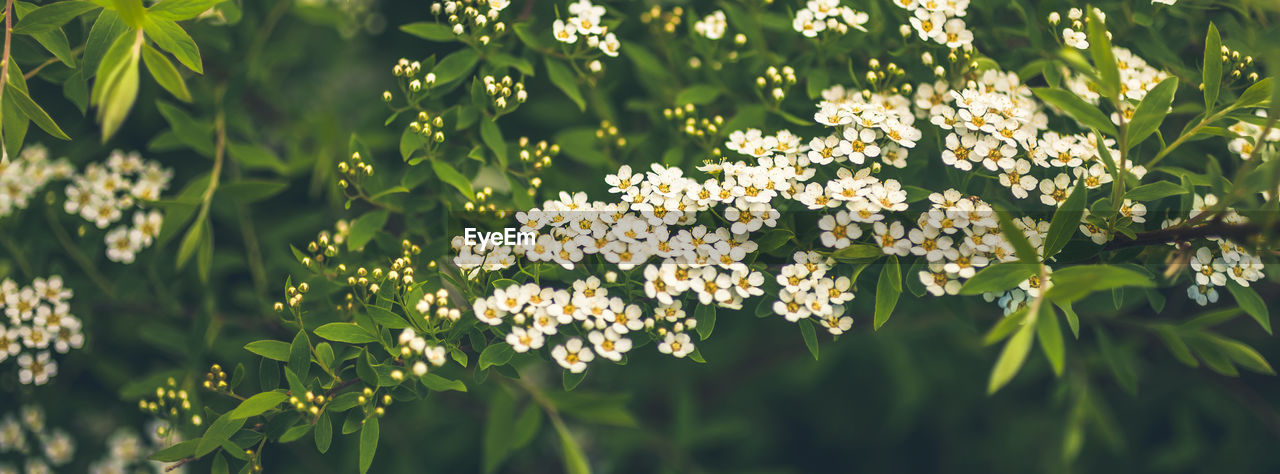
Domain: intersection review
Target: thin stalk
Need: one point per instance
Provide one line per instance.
(76, 254)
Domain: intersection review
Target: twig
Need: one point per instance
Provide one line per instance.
(1237, 232)
(17, 254)
(4, 61)
(179, 464)
(36, 70)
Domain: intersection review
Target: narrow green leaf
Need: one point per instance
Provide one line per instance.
(300, 355)
(1066, 221)
(564, 79)
(324, 432)
(1257, 95)
(1073, 321)
(51, 16)
(1251, 303)
(274, 350)
(1104, 58)
(440, 384)
(1075, 282)
(1011, 359)
(345, 332)
(810, 336)
(888, 290)
(104, 33)
(1076, 108)
(258, 404)
(1176, 346)
(574, 461)
(1118, 360)
(492, 136)
(190, 242)
(705, 315)
(178, 10)
(363, 228)
(33, 111)
(176, 452)
(698, 94)
(219, 431)
(219, 465)
(1014, 234)
(1212, 75)
(1154, 191)
(170, 37)
(999, 277)
(1050, 336)
(452, 177)
(455, 65)
(368, 443)
(571, 380)
(164, 73)
(1151, 111)
(430, 31)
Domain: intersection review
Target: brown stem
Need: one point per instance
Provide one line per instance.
(1240, 233)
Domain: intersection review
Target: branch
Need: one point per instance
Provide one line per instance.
(1239, 233)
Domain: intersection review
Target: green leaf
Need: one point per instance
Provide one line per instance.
(527, 426)
(492, 136)
(190, 242)
(195, 134)
(1239, 353)
(999, 277)
(386, 318)
(1014, 234)
(258, 404)
(254, 157)
(345, 332)
(219, 465)
(1118, 361)
(888, 289)
(580, 144)
(178, 10)
(1075, 282)
(1066, 221)
(498, 427)
(430, 31)
(1050, 336)
(164, 73)
(1154, 191)
(364, 228)
(1076, 108)
(324, 432)
(564, 79)
(810, 336)
(106, 29)
(1251, 303)
(1104, 58)
(451, 176)
(300, 355)
(1011, 359)
(247, 191)
(170, 37)
(574, 461)
(218, 432)
(705, 315)
(1176, 346)
(274, 350)
(571, 380)
(498, 353)
(33, 111)
(117, 86)
(698, 94)
(455, 65)
(1257, 95)
(51, 16)
(440, 384)
(176, 452)
(501, 59)
(858, 253)
(368, 443)
(1073, 321)
(1212, 75)
(1151, 111)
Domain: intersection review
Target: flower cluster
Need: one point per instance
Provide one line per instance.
(1247, 133)
(827, 15)
(127, 452)
(466, 16)
(1222, 262)
(22, 177)
(712, 26)
(940, 21)
(42, 449)
(172, 404)
(1136, 79)
(414, 348)
(39, 319)
(505, 92)
(102, 194)
(867, 125)
(808, 292)
(587, 20)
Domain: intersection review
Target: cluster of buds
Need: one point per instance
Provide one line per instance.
(704, 130)
(325, 246)
(539, 154)
(293, 296)
(216, 380)
(1240, 65)
(309, 403)
(405, 68)
(353, 168)
(608, 135)
(777, 82)
(170, 403)
(479, 17)
(367, 396)
(664, 21)
(483, 204)
(402, 268)
(502, 90)
(437, 304)
(432, 128)
(414, 348)
(885, 78)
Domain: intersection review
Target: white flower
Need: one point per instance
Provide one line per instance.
(565, 32)
(678, 345)
(1202, 295)
(572, 355)
(712, 26)
(1209, 271)
(1075, 39)
(609, 344)
(522, 339)
(36, 370)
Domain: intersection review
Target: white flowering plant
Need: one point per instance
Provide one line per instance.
(569, 188)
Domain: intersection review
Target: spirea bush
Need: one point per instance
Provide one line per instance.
(294, 231)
